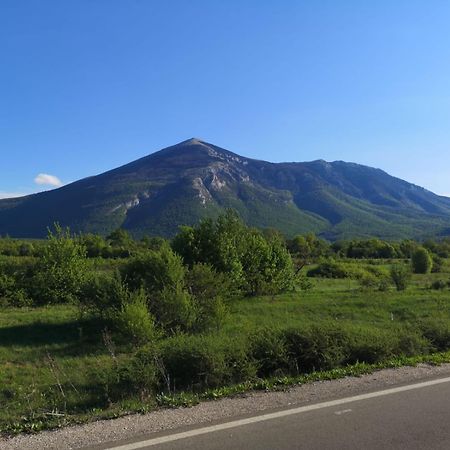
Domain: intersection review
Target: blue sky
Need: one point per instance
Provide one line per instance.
(87, 85)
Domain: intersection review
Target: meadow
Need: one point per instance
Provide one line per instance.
(59, 364)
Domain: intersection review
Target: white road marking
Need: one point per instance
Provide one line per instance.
(343, 411)
(275, 415)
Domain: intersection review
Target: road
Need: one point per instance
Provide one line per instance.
(412, 416)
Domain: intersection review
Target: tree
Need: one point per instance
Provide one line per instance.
(421, 261)
(254, 262)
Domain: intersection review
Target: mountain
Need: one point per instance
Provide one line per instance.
(193, 179)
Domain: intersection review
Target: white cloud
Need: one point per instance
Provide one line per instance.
(45, 178)
(4, 194)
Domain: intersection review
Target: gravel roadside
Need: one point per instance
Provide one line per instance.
(95, 433)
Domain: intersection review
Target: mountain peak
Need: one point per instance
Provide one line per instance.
(194, 179)
(191, 141)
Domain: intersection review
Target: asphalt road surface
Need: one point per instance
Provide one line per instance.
(414, 416)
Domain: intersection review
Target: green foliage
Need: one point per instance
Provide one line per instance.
(439, 285)
(133, 320)
(421, 261)
(308, 247)
(95, 245)
(331, 269)
(252, 261)
(209, 290)
(161, 274)
(11, 294)
(103, 294)
(437, 332)
(61, 270)
(267, 266)
(287, 337)
(372, 248)
(315, 348)
(400, 276)
(174, 309)
(154, 270)
(267, 348)
(193, 362)
(120, 238)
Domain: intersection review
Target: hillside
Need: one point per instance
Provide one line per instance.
(193, 179)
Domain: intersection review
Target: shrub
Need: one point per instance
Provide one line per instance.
(238, 359)
(421, 261)
(400, 276)
(173, 309)
(439, 285)
(316, 348)
(255, 263)
(161, 273)
(194, 362)
(267, 266)
(438, 264)
(61, 270)
(137, 374)
(154, 270)
(134, 321)
(209, 290)
(411, 343)
(144, 370)
(103, 294)
(368, 281)
(269, 352)
(330, 269)
(11, 294)
(303, 283)
(437, 332)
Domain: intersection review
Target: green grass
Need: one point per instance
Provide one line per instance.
(344, 300)
(55, 367)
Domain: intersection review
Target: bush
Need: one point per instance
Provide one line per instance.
(209, 290)
(137, 374)
(11, 294)
(331, 269)
(437, 332)
(255, 263)
(368, 281)
(194, 362)
(61, 270)
(103, 294)
(421, 261)
(400, 276)
(269, 352)
(144, 371)
(173, 309)
(439, 285)
(154, 270)
(267, 266)
(161, 273)
(134, 321)
(438, 264)
(315, 348)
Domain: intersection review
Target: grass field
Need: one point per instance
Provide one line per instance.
(56, 367)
